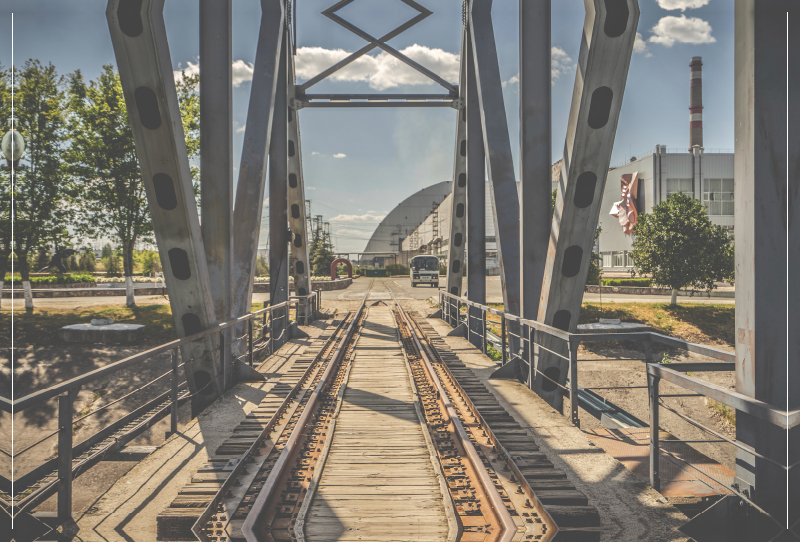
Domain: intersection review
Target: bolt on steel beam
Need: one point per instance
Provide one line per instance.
(767, 196)
(300, 264)
(216, 159)
(253, 167)
(458, 212)
(609, 31)
(142, 52)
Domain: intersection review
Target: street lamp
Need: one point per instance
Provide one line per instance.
(13, 145)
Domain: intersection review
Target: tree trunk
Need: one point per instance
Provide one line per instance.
(674, 299)
(4, 259)
(127, 266)
(24, 271)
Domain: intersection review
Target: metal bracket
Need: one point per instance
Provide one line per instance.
(457, 103)
(296, 105)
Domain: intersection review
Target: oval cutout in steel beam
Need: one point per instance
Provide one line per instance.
(201, 381)
(456, 267)
(179, 263)
(462, 180)
(552, 374)
(454, 290)
(129, 15)
(600, 107)
(617, 14)
(301, 291)
(298, 240)
(147, 105)
(460, 210)
(300, 267)
(191, 324)
(165, 191)
(458, 239)
(584, 189)
(291, 148)
(463, 147)
(572, 261)
(561, 320)
(295, 211)
(292, 180)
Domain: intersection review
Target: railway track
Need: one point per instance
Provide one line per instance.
(376, 438)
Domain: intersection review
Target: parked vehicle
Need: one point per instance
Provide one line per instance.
(425, 270)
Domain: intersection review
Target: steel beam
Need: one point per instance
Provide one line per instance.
(504, 196)
(535, 150)
(278, 193)
(458, 211)
(253, 167)
(142, 52)
(216, 159)
(296, 196)
(476, 202)
(606, 46)
(767, 245)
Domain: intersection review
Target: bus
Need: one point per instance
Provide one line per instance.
(425, 270)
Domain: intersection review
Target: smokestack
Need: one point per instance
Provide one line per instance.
(696, 103)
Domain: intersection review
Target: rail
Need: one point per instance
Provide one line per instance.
(532, 335)
(58, 473)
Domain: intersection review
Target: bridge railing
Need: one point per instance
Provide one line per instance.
(531, 338)
(266, 330)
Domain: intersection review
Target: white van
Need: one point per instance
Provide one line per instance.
(425, 270)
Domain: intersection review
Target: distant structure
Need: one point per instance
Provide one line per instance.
(696, 103)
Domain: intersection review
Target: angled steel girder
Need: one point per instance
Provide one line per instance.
(145, 68)
(253, 167)
(458, 211)
(767, 196)
(296, 198)
(505, 199)
(609, 31)
(216, 159)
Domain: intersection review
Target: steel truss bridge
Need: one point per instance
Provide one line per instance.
(208, 266)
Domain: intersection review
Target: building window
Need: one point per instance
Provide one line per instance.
(606, 259)
(679, 185)
(619, 259)
(628, 259)
(718, 197)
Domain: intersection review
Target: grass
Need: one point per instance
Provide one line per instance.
(494, 353)
(627, 282)
(724, 412)
(704, 324)
(40, 328)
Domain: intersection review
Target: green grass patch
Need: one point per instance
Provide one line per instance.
(494, 353)
(55, 279)
(644, 283)
(722, 411)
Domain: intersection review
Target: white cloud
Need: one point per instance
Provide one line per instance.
(241, 128)
(381, 71)
(340, 155)
(560, 64)
(310, 188)
(241, 71)
(315, 152)
(682, 30)
(640, 46)
(682, 5)
(369, 216)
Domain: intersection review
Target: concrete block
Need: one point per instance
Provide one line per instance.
(109, 334)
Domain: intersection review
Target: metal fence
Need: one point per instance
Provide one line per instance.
(265, 331)
(531, 338)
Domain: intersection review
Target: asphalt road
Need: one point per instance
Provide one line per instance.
(400, 285)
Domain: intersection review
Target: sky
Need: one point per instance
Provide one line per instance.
(360, 163)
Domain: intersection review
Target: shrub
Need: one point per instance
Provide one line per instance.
(644, 283)
(397, 269)
(55, 279)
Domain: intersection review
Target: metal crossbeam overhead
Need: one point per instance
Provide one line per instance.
(458, 210)
(300, 264)
(606, 46)
(253, 166)
(142, 52)
(377, 103)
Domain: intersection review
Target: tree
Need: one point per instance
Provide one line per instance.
(189, 103)
(323, 255)
(595, 270)
(262, 266)
(87, 260)
(5, 184)
(678, 246)
(43, 194)
(106, 251)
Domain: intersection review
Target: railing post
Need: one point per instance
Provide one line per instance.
(250, 340)
(655, 476)
(483, 330)
(573, 381)
(173, 422)
(503, 339)
(648, 351)
(529, 351)
(65, 458)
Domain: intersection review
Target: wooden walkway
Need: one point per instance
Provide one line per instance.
(378, 482)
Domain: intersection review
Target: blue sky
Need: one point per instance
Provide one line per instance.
(359, 163)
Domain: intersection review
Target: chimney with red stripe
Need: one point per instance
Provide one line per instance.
(696, 103)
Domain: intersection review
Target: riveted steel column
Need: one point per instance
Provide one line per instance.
(458, 213)
(608, 34)
(504, 195)
(253, 167)
(300, 264)
(145, 68)
(216, 159)
(278, 217)
(535, 150)
(476, 202)
(767, 197)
